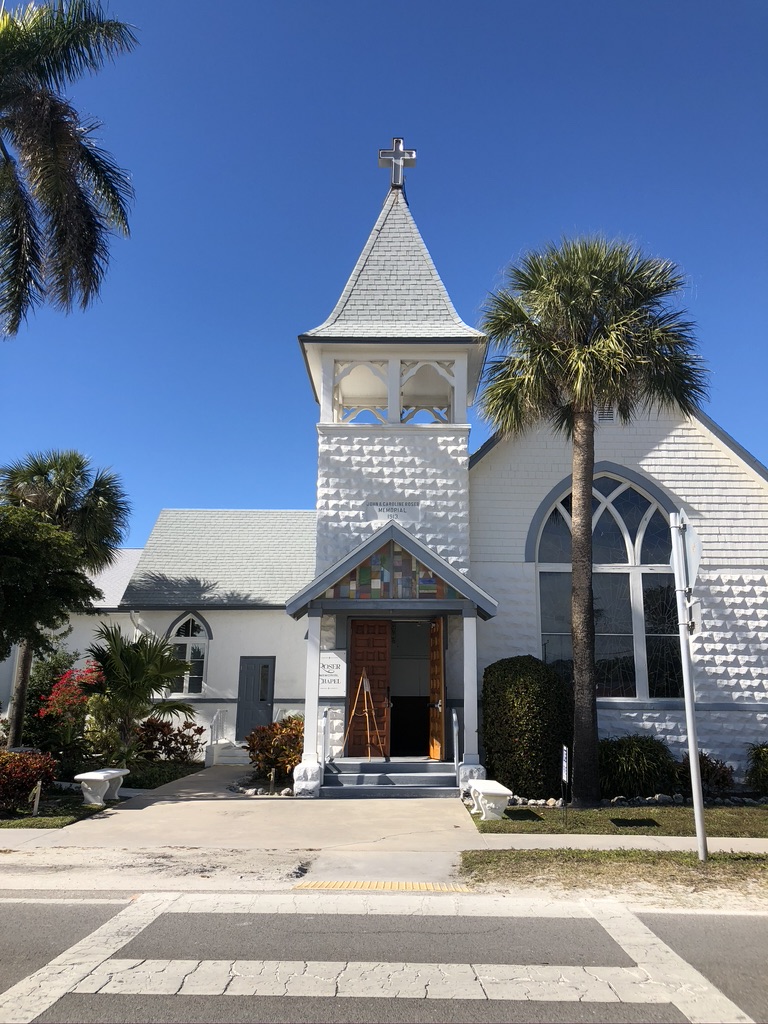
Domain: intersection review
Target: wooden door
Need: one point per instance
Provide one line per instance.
(369, 652)
(436, 691)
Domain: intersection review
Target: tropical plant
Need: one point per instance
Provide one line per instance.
(526, 721)
(716, 775)
(276, 747)
(66, 709)
(581, 326)
(64, 489)
(47, 669)
(638, 765)
(60, 194)
(161, 741)
(135, 675)
(757, 767)
(41, 583)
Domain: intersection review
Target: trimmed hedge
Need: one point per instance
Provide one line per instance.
(527, 718)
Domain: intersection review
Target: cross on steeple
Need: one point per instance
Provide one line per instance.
(397, 158)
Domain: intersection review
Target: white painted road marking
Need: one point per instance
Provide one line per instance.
(91, 966)
(30, 997)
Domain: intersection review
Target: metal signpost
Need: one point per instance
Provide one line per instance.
(565, 787)
(686, 555)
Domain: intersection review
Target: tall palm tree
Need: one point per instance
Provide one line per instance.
(585, 325)
(91, 505)
(60, 194)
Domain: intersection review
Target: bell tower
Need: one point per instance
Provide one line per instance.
(393, 369)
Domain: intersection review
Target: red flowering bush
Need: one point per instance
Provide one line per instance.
(19, 774)
(69, 696)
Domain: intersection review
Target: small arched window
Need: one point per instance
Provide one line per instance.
(637, 650)
(190, 643)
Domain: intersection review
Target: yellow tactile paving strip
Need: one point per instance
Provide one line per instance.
(387, 886)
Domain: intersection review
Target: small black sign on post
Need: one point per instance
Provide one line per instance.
(565, 787)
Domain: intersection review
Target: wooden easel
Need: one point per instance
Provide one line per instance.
(368, 711)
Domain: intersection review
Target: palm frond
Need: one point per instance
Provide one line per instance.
(593, 319)
(22, 282)
(57, 43)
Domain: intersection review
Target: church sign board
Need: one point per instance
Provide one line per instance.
(392, 511)
(333, 674)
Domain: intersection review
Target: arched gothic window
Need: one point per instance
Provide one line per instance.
(637, 650)
(190, 643)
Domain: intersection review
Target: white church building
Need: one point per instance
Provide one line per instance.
(375, 614)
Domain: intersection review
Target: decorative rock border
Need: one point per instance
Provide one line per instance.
(659, 800)
(246, 788)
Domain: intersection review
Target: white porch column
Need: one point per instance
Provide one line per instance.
(307, 775)
(470, 767)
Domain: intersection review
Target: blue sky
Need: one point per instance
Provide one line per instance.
(251, 130)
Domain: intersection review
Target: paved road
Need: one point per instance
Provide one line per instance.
(343, 957)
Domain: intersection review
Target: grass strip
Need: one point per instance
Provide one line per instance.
(55, 812)
(614, 869)
(719, 822)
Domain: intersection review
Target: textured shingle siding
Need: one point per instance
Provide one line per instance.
(356, 465)
(196, 557)
(727, 501)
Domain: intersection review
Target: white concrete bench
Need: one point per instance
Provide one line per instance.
(101, 784)
(489, 797)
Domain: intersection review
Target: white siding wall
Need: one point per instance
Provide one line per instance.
(727, 502)
(424, 462)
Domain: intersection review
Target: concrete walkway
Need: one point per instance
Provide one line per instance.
(200, 812)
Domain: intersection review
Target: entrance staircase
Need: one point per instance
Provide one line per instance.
(346, 778)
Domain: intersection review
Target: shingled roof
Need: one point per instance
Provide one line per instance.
(225, 558)
(394, 291)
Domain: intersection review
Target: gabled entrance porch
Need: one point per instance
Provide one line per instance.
(390, 594)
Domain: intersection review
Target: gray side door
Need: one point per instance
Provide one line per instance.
(255, 694)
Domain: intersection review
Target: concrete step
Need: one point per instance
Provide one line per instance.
(395, 766)
(388, 792)
(396, 779)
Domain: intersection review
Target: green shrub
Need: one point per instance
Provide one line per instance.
(757, 767)
(162, 741)
(639, 765)
(19, 774)
(43, 733)
(716, 776)
(158, 773)
(527, 718)
(276, 746)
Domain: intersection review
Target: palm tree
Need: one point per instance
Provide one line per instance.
(136, 673)
(586, 325)
(60, 194)
(91, 505)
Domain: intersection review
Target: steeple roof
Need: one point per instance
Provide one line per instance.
(394, 291)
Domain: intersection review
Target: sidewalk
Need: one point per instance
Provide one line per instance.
(200, 812)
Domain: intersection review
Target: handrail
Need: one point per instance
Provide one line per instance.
(217, 725)
(455, 718)
(325, 740)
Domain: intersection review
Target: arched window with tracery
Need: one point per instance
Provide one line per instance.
(637, 650)
(190, 636)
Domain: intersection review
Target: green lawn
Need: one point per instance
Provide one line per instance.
(56, 811)
(616, 869)
(729, 822)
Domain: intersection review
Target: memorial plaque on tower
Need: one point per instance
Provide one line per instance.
(393, 511)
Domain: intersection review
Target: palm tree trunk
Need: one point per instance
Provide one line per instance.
(19, 703)
(585, 780)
